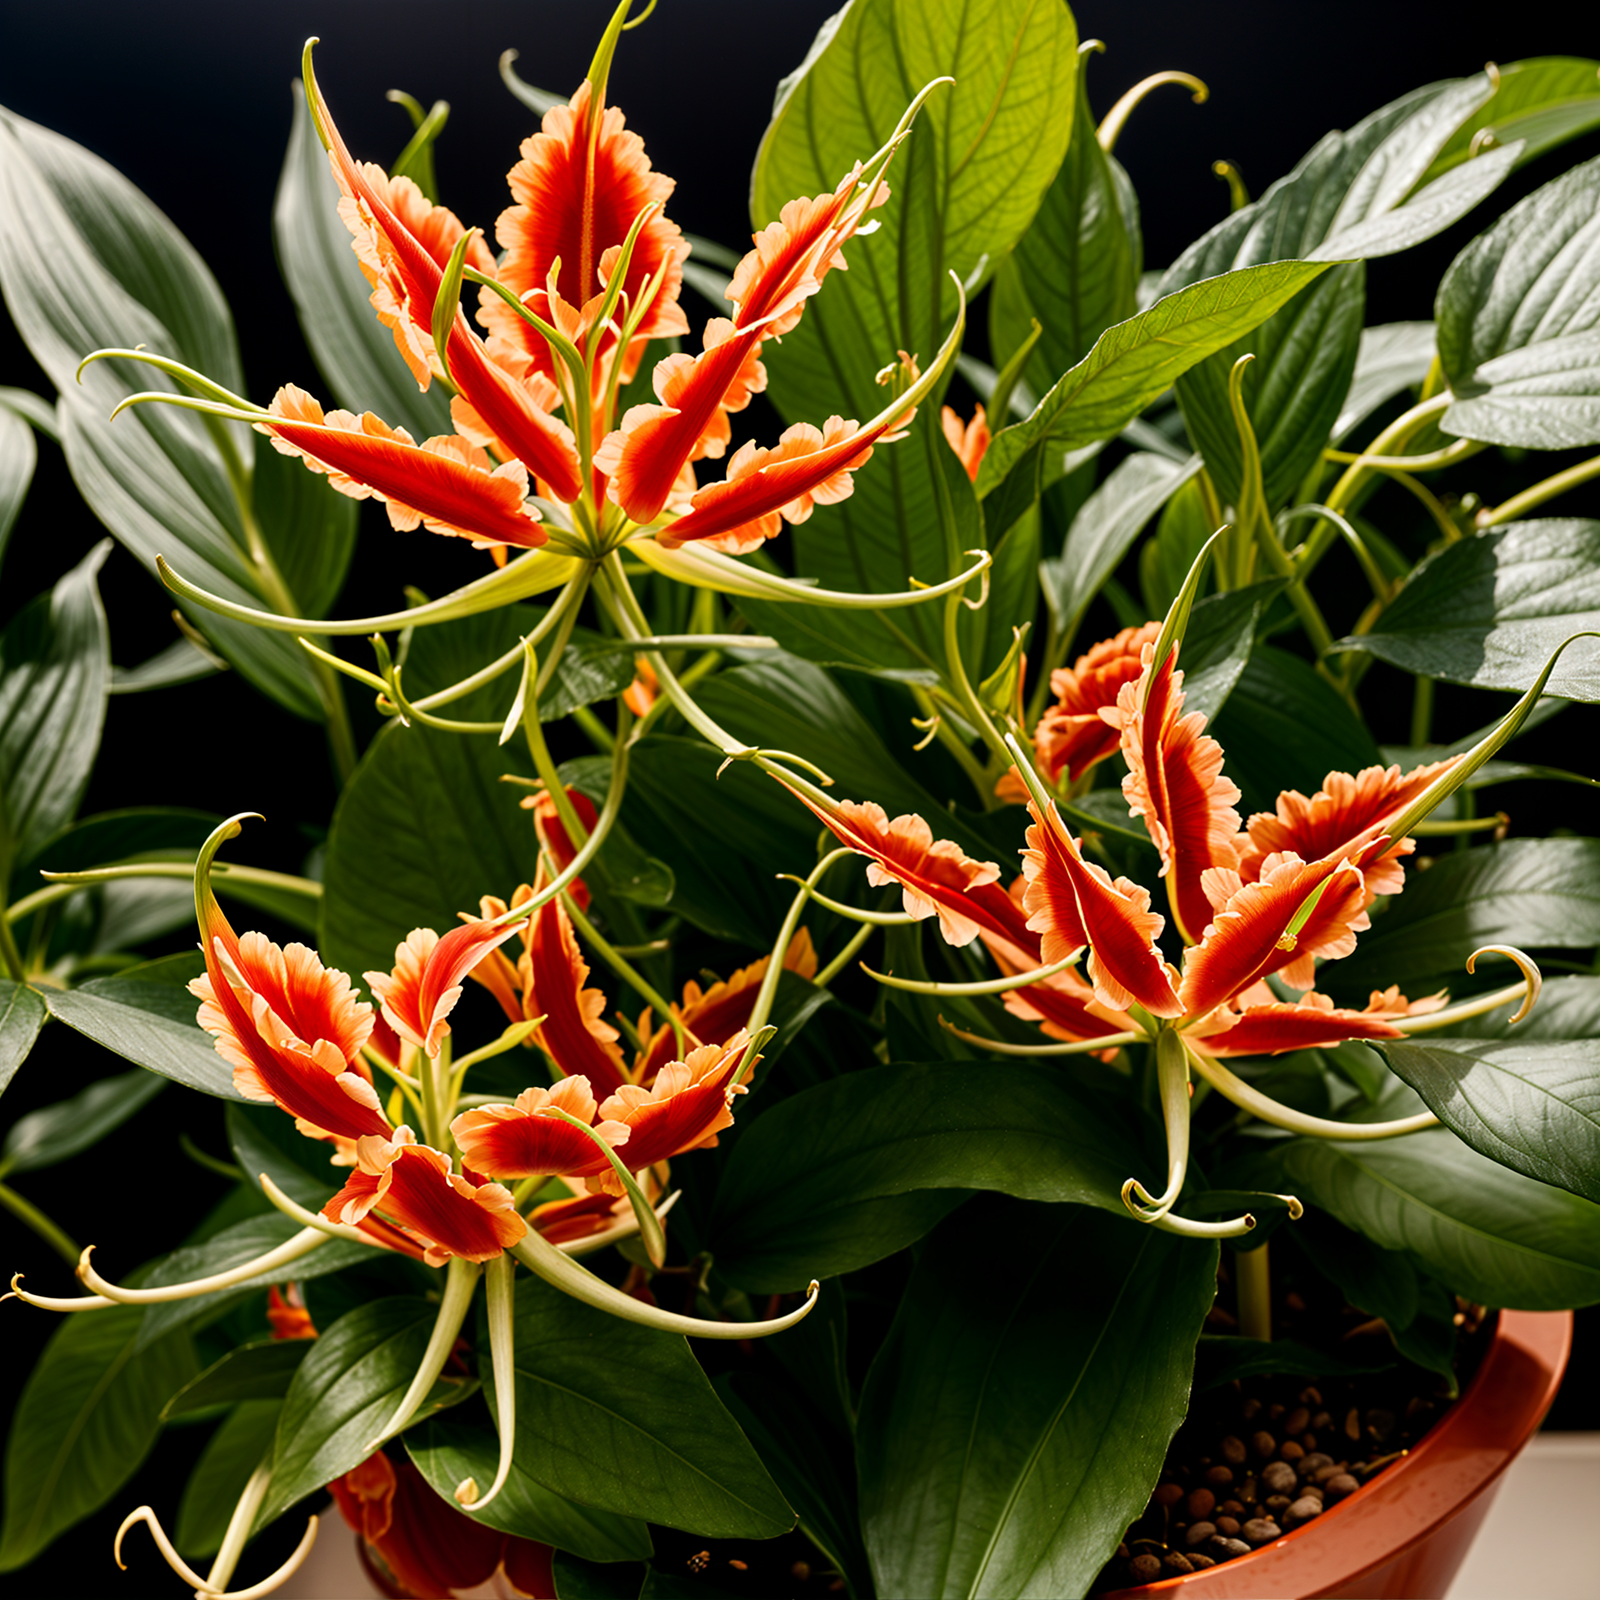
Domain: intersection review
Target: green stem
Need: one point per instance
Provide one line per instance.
(25, 1211)
(1548, 489)
(9, 953)
(65, 883)
(1252, 1276)
(1421, 711)
(844, 957)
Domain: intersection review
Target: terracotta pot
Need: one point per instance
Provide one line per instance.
(1403, 1535)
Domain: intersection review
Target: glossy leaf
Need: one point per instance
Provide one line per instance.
(1568, 1008)
(1217, 645)
(1077, 267)
(1105, 528)
(261, 1370)
(18, 453)
(86, 1419)
(1284, 727)
(1532, 1107)
(1221, 1359)
(1486, 1232)
(181, 662)
(344, 1392)
(818, 1183)
(1353, 196)
(54, 667)
(86, 262)
(998, 1449)
(1519, 331)
(1128, 367)
(22, 1015)
(962, 190)
(308, 526)
(583, 1580)
(446, 1451)
(147, 1016)
(354, 351)
(621, 1418)
(1391, 358)
(1532, 893)
(242, 1441)
(1491, 610)
(59, 1132)
(232, 1247)
(1539, 103)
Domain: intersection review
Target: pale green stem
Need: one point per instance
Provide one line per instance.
(499, 1277)
(1172, 1076)
(303, 1243)
(971, 707)
(203, 1590)
(540, 1256)
(10, 955)
(873, 919)
(1068, 1047)
(239, 1524)
(62, 884)
(844, 957)
(955, 744)
(29, 1214)
(1421, 710)
(1281, 1116)
(1019, 980)
(1252, 1277)
(773, 976)
(1547, 489)
(461, 1279)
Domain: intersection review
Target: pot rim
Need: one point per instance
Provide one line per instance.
(1471, 1445)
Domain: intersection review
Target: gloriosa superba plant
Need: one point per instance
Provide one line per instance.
(899, 668)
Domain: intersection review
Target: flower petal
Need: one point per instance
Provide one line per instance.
(938, 878)
(1175, 783)
(415, 1190)
(1313, 1023)
(1072, 902)
(446, 483)
(425, 984)
(1343, 816)
(969, 440)
(527, 1140)
(572, 1033)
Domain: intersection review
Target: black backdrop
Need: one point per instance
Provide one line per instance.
(190, 98)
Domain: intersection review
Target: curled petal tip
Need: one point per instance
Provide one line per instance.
(1533, 980)
(466, 1492)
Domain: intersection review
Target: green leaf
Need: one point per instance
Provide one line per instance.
(22, 1015)
(1532, 1107)
(181, 662)
(1519, 322)
(962, 190)
(447, 1451)
(1128, 367)
(1485, 1231)
(817, 1184)
(581, 1580)
(1391, 358)
(1539, 103)
(147, 1016)
(308, 526)
(1217, 645)
(1105, 528)
(1077, 267)
(816, 1482)
(1286, 727)
(344, 1392)
(1221, 1359)
(261, 1370)
(232, 1247)
(59, 1132)
(621, 1418)
(240, 1444)
(1533, 893)
(86, 263)
(355, 353)
(88, 1416)
(18, 454)
(263, 1139)
(54, 667)
(1009, 1433)
(1490, 610)
(1345, 201)
(1568, 1008)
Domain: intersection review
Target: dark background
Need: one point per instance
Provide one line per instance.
(191, 100)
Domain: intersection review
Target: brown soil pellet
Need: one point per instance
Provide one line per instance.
(1200, 1562)
(1175, 1563)
(1297, 1421)
(1264, 1445)
(1201, 1503)
(1199, 1532)
(1223, 1547)
(1278, 1477)
(1352, 1425)
(1313, 1462)
(1250, 1409)
(1168, 1494)
(1227, 1526)
(1144, 1569)
(1260, 1530)
(1304, 1509)
(1233, 1451)
(1219, 1476)
(1339, 1485)
(1291, 1450)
